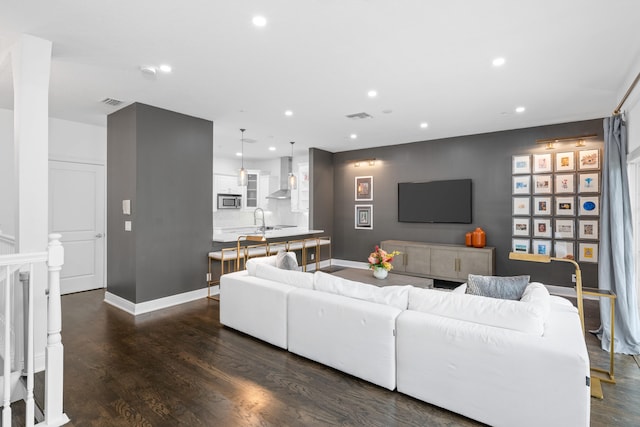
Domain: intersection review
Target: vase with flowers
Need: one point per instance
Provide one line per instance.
(380, 262)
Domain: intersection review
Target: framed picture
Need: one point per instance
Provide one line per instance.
(565, 161)
(541, 247)
(521, 226)
(542, 163)
(521, 206)
(587, 252)
(589, 182)
(588, 229)
(564, 229)
(542, 205)
(589, 159)
(520, 245)
(565, 183)
(364, 217)
(542, 227)
(588, 205)
(564, 250)
(521, 184)
(542, 184)
(521, 164)
(565, 206)
(364, 188)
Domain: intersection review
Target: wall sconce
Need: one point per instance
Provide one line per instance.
(579, 139)
(370, 162)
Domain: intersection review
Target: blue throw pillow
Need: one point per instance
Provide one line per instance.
(497, 286)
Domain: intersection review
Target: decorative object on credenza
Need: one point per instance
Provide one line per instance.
(380, 262)
(479, 238)
(364, 188)
(468, 239)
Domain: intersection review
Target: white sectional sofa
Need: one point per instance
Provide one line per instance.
(504, 363)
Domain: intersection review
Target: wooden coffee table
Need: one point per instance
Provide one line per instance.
(366, 276)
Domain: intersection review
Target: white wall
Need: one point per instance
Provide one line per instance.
(7, 175)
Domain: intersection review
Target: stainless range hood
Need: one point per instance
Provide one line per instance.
(285, 169)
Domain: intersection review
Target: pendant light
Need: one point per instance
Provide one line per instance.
(292, 178)
(242, 173)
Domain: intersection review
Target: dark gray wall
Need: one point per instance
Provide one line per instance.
(172, 222)
(485, 158)
(321, 197)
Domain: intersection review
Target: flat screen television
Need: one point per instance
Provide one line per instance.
(435, 201)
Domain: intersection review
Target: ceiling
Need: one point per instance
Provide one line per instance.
(429, 62)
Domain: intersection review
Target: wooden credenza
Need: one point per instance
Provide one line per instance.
(439, 261)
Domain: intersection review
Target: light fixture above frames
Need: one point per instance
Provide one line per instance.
(579, 140)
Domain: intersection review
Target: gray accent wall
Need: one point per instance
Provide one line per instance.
(321, 196)
(484, 158)
(162, 162)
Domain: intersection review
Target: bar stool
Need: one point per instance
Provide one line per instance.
(295, 245)
(323, 241)
(226, 255)
(311, 243)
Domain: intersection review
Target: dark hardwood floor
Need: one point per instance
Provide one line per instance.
(179, 366)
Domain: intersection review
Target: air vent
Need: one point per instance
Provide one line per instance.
(358, 116)
(111, 101)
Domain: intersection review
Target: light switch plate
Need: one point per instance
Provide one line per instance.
(127, 226)
(126, 207)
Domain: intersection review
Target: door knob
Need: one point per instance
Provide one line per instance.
(99, 235)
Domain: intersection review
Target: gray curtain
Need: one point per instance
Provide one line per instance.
(616, 267)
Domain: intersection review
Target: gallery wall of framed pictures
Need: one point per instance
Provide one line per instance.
(556, 204)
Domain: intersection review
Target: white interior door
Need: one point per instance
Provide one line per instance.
(76, 210)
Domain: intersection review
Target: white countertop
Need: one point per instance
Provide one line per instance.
(231, 234)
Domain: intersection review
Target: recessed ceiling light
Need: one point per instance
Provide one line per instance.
(353, 136)
(239, 154)
(424, 125)
(272, 148)
(372, 94)
(288, 113)
(520, 109)
(498, 62)
(165, 68)
(259, 21)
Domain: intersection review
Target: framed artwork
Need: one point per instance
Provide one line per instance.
(520, 246)
(565, 183)
(521, 184)
(542, 163)
(364, 217)
(589, 159)
(542, 184)
(588, 229)
(364, 188)
(588, 205)
(564, 250)
(521, 226)
(589, 182)
(542, 227)
(587, 252)
(565, 162)
(541, 247)
(521, 206)
(542, 205)
(565, 206)
(521, 164)
(564, 229)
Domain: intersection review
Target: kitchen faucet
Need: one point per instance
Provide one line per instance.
(263, 228)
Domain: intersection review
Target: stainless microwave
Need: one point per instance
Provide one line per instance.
(229, 201)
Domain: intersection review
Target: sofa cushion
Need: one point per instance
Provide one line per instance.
(497, 286)
(536, 293)
(251, 263)
(286, 260)
(462, 289)
(515, 315)
(288, 277)
(394, 296)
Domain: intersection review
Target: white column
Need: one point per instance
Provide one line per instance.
(31, 64)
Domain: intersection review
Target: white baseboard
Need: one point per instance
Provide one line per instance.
(156, 304)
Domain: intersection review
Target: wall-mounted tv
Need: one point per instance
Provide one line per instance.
(435, 201)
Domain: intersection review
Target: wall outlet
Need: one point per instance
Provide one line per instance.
(313, 256)
(573, 278)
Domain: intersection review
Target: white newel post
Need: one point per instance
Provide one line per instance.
(54, 370)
